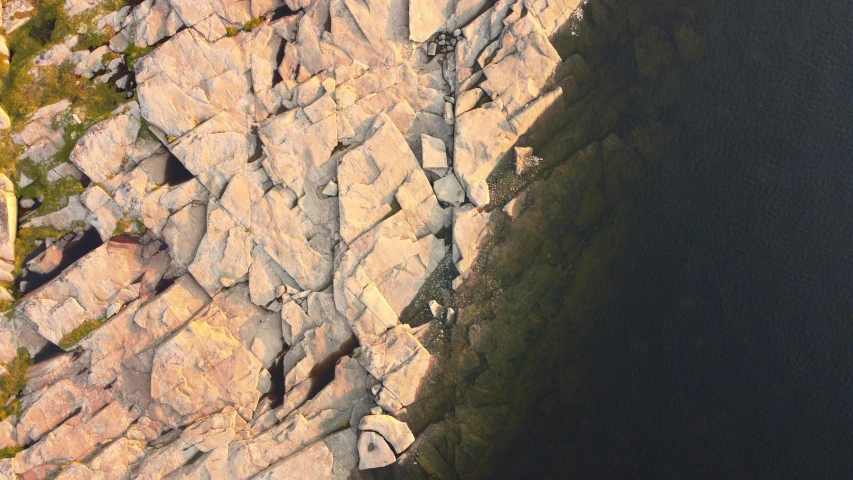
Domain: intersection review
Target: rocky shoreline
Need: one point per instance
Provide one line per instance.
(307, 238)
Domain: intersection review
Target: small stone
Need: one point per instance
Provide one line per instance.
(435, 308)
(76, 118)
(451, 316)
(373, 451)
(449, 190)
(524, 160)
(331, 189)
(24, 181)
(434, 155)
(5, 121)
(431, 48)
(449, 118)
(113, 309)
(375, 389)
(457, 32)
(513, 207)
(441, 41)
(453, 42)
(397, 433)
(27, 203)
(376, 411)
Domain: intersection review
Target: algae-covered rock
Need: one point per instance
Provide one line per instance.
(653, 51)
(691, 46)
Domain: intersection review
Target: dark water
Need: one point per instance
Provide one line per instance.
(729, 350)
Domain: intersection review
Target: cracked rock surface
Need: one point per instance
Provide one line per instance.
(334, 155)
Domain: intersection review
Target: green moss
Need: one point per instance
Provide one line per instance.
(10, 452)
(129, 227)
(79, 333)
(13, 382)
(133, 53)
(251, 24)
(28, 240)
(109, 57)
(230, 32)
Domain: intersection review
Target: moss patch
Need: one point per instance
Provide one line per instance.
(13, 382)
(10, 452)
(79, 333)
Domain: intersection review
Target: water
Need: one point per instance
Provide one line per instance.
(727, 350)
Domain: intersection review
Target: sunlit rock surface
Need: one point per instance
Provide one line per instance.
(272, 199)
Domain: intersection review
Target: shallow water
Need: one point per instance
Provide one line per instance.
(725, 351)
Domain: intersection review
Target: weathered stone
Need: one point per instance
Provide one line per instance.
(397, 433)
(8, 219)
(448, 190)
(84, 291)
(373, 451)
(201, 370)
(101, 152)
(434, 155)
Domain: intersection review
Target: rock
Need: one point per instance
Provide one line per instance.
(93, 62)
(468, 100)
(85, 290)
(8, 219)
(46, 261)
(373, 451)
(331, 459)
(482, 136)
(331, 189)
(513, 207)
(5, 121)
(434, 155)
(426, 17)
(101, 152)
(524, 160)
(431, 48)
(399, 361)
(183, 233)
(42, 140)
(397, 433)
(449, 190)
(317, 344)
(470, 230)
(8, 437)
(435, 308)
(63, 170)
(201, 370)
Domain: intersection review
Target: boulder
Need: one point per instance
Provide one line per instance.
(426, 17)
(101, 152)
(8, 219)
(373, 451)
(449, 190)
(201, 370)
(397, 433)
(434, 155)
